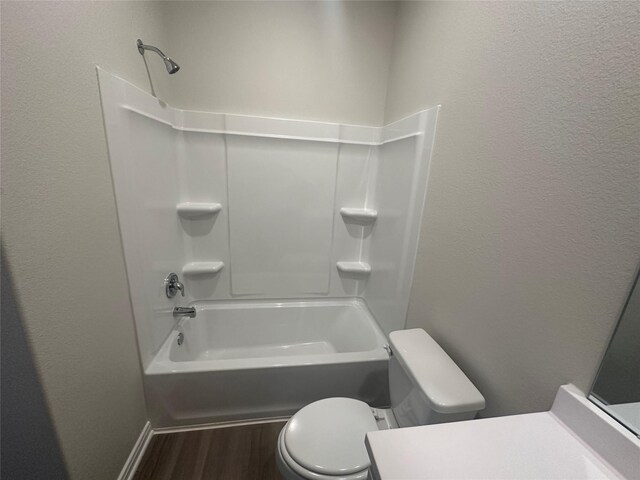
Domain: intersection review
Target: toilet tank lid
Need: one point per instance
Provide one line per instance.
(446, 387)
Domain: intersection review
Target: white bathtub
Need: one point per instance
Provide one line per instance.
(248, 360)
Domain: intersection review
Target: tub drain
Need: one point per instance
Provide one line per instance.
(180, 338)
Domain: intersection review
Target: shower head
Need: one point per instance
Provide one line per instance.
(172, 67)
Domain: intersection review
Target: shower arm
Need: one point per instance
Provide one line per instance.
(142, 47)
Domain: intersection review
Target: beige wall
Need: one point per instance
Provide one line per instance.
(531, 233)
(59, 223)
(308, 60)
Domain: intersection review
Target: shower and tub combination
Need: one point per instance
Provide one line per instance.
(293, 245)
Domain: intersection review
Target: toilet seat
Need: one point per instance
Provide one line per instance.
(325, 440)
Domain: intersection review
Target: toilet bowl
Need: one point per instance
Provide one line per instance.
(325, 439)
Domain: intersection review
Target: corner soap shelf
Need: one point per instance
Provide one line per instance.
(361, 268)
(202, 268)
(196, 209)
(363, 215)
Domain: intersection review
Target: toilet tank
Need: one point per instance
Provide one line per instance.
(426, 386)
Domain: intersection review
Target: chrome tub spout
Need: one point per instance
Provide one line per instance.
(184, 312)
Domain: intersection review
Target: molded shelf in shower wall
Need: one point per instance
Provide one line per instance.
(361, 268)
(196, 209)
(363, 215)
(202, 268)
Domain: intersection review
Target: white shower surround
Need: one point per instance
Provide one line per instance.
(247, 208)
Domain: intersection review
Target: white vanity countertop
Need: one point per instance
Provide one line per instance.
(530, 446)
(521, 446)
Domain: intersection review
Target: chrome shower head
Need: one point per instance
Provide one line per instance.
(172, 67)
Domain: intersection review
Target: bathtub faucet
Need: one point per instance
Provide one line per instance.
(172, 285)
(184, 312)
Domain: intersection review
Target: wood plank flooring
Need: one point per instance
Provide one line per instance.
(245, 452)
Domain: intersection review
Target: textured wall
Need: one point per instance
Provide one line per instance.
(59, 222)
(531, 233)
(307, 60)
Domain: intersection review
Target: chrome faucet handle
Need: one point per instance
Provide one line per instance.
(172, 284)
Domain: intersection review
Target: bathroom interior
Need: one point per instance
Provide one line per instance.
(320, 240)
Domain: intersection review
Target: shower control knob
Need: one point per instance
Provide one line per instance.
(172, 284)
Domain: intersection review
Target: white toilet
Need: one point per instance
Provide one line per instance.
(325, 439)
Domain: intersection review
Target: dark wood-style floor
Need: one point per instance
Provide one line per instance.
(245, 452)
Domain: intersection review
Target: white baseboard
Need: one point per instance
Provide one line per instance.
(137, 453)
(209, 426)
